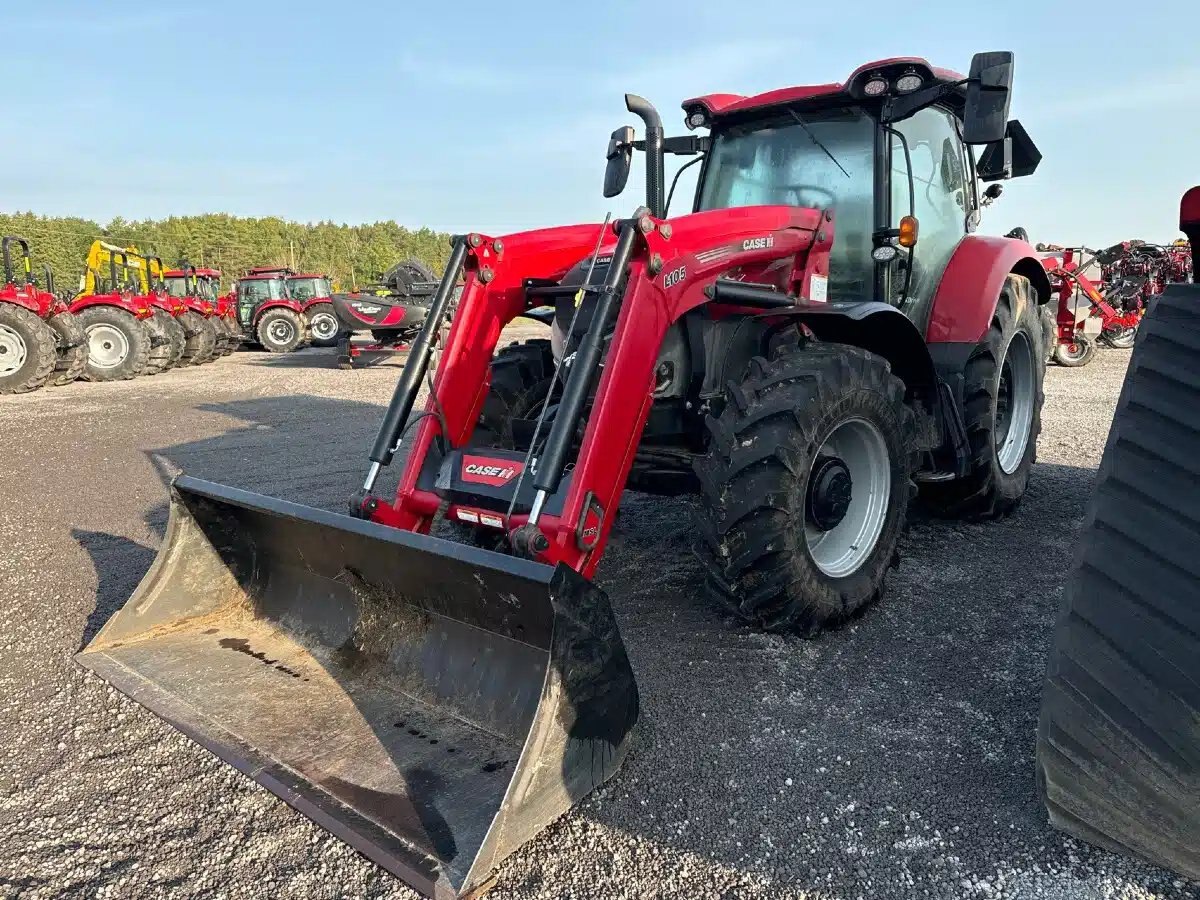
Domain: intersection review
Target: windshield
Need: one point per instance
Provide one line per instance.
(778, 162)
(309, 288)
(260, 289)
(207, 287)
(176, 286)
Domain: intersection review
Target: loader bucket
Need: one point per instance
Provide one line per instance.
(433, 705)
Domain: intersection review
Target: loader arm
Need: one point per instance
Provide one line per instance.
(672, 271)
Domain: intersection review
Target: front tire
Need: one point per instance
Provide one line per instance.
(280, 331)
(72, 349)
(805, 487)
(177, 340)
(201, 340)
(323, 325)
(517, 372)
(1002, 411)
(118, 344)
(159, 358)
(27, 350)
(1076, 353)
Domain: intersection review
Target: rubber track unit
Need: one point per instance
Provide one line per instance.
(1118, 752)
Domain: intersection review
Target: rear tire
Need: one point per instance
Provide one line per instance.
(118, 344)
(27, 350)
(794, 537)
(177, 338)
(72, 348)
(201, 340)
(323, 325)
(280, 331)
(159, 358)
(1002, 411)
(1076, 354)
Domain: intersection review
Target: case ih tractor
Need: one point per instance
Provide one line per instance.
(40, 341)
(267, 313)
(821, 337)
(314, 294)
(210, 335)
(124, 339)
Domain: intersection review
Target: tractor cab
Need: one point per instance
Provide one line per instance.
(307, 288)
(256, 290)
(887, 155)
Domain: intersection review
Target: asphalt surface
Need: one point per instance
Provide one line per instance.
(892, 758)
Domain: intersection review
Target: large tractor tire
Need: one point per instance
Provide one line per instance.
(118, 344)
(1077, 353)
(233, 335)
(1118, 748)
(520, 381)
(323, 325)
(177, 340)
(71, 349)
(201, 341)
(1002, 411)
(27, 350)
(280, 331)
(805, 487)
(159, 358)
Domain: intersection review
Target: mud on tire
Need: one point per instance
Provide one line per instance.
(993, 393)
(118, 343)
(177, 340)
(159, 357)
(27, 350)
(764, 510)
(71, 350)
(201, 340)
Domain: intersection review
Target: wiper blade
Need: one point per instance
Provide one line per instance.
(812, 137)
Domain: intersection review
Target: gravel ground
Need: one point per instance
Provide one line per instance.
(893, 758)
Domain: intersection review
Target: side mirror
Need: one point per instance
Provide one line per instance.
(996, 162)
(989, 89)
(620, 160)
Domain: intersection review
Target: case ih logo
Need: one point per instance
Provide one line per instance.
(494, 472)
(761, 243)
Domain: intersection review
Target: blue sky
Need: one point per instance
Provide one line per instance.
(494, 116)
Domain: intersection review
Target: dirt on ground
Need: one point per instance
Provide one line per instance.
(890, 759)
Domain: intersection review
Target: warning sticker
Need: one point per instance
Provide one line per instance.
(818, 289)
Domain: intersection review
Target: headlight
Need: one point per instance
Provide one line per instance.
(906, 84)
(697, 118)
(883, 254)
(876, 87)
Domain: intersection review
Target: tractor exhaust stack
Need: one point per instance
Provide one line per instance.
(432, 704)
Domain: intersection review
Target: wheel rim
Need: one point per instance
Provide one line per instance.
(853, 472)
(1073, 350)
(1122, 338)
(13, 351)
(280, 331)
(107, 346)
(324, 326)
(1014, 403)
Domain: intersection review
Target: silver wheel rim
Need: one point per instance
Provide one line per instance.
(324, 326)
(280, 331)
(1014, 403)
(1124, 338)
(107, 346)
(13, 351)
(840, 551)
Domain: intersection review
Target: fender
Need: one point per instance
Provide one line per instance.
(966, 296)
(136, 310)
(23, 298)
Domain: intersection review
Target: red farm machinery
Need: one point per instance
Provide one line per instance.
(41, 342)
(821, 338)
(267, 313)
(213, 333)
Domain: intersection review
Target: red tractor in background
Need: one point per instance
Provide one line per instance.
(314, 293)
(266, 311)
(821, 338)
(41, 342)
(123, 338)
(213, 335)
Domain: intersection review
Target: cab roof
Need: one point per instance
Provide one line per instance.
(850, 90)
(179, 273)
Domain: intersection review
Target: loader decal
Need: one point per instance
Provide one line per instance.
(497, 473)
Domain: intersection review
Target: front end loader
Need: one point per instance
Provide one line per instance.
(819, 339)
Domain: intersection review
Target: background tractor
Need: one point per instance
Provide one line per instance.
(211, 334)
(314, 292)
(820, 338)
(266, 311)
(41, 342)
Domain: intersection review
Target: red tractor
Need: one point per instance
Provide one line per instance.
(40, 341)
(124, 339)
(210, 335)
(267, 313)
(820, 338)
(314, 293)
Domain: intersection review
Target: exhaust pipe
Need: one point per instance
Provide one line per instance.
(644, 110)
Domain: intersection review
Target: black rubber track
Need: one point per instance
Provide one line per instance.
(754, 480)
(72, 349)
(987, 491)
(1118, 750)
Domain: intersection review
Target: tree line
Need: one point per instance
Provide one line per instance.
(352, 255)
